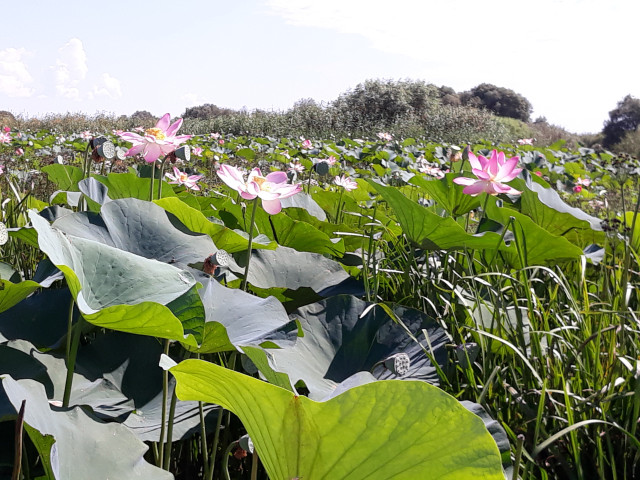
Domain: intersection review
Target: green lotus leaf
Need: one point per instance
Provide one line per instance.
(343, 335)
(368, 432)
(73, 445)
(194, 220)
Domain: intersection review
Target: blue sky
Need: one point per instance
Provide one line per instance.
(573, 59)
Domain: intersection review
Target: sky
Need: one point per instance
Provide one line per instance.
(574, 60)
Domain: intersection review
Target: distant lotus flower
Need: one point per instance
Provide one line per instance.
(585, 182)
(158, 141)
(307, 144)
(538, 173)
(5, 137)
(490, 173)
(6, 129)
(526, 141)
(118, 132)
(139, 129)
(296, 167)
(221, 142)
(271, 189)
(215, 136)
(86, 135)
(19, 152)
(197, 151)
(387, 137)
(181, 178)
(331, 160)
(1, 169)
(345, 182)
(285, 154)
(577, 188)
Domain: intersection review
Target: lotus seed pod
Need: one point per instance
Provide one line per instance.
(106, 150)
(4, 234)
(183, 153)
(245, 443)
(321, 168)
(399, 364)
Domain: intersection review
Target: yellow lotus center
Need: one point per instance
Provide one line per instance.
(262, 183)
(155, 132)
(184, 177)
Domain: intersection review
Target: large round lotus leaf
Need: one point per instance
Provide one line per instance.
(114, 288)
(139, 227)
(378, 431)
(235, 318)
(339, 341)
(288, 268)
(75, 446)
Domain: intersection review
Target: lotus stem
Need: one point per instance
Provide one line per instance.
(254, 465)
(17, 461)
(214, 447)
(71, 361)
(153, 176)
(246, 268)
(161, 176)
(172, 413)
(225, 460)
(165, 388)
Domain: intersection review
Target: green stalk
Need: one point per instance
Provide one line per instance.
(172, 414)
(69, 327)
(160, 178)
(214, 447)
(71, 360)
(153, 177)
(246, 268)
(225, 460)
(254, 465)
(165, 388)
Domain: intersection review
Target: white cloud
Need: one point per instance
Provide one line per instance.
(14, 76)
(70, 69)
(108, 87)
(556, 52)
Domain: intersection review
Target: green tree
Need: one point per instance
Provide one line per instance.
(622, 119)
(504, 102)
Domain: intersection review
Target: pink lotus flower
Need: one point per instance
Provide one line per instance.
(491, 172)
(118, 132)
(577, 188)
(215, 136)
(307, 145)
(5, 137)
(271, 189)
(221, 142)
(19, 152)
(6, 129)
(139, 129)
(526, 141)
(86, 135)
(538, 173)
(345, 182)
(1, 169)
(331, 160)
(387, 137)
(158, 141)
(296, 167)
(585, 182)
(197, 151)
(181, 178)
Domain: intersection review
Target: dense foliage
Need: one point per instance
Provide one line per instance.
(345, 333)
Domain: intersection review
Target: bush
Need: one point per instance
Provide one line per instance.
(622, 119)
(501, 101)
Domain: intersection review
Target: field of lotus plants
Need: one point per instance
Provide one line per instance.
(249, 307)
